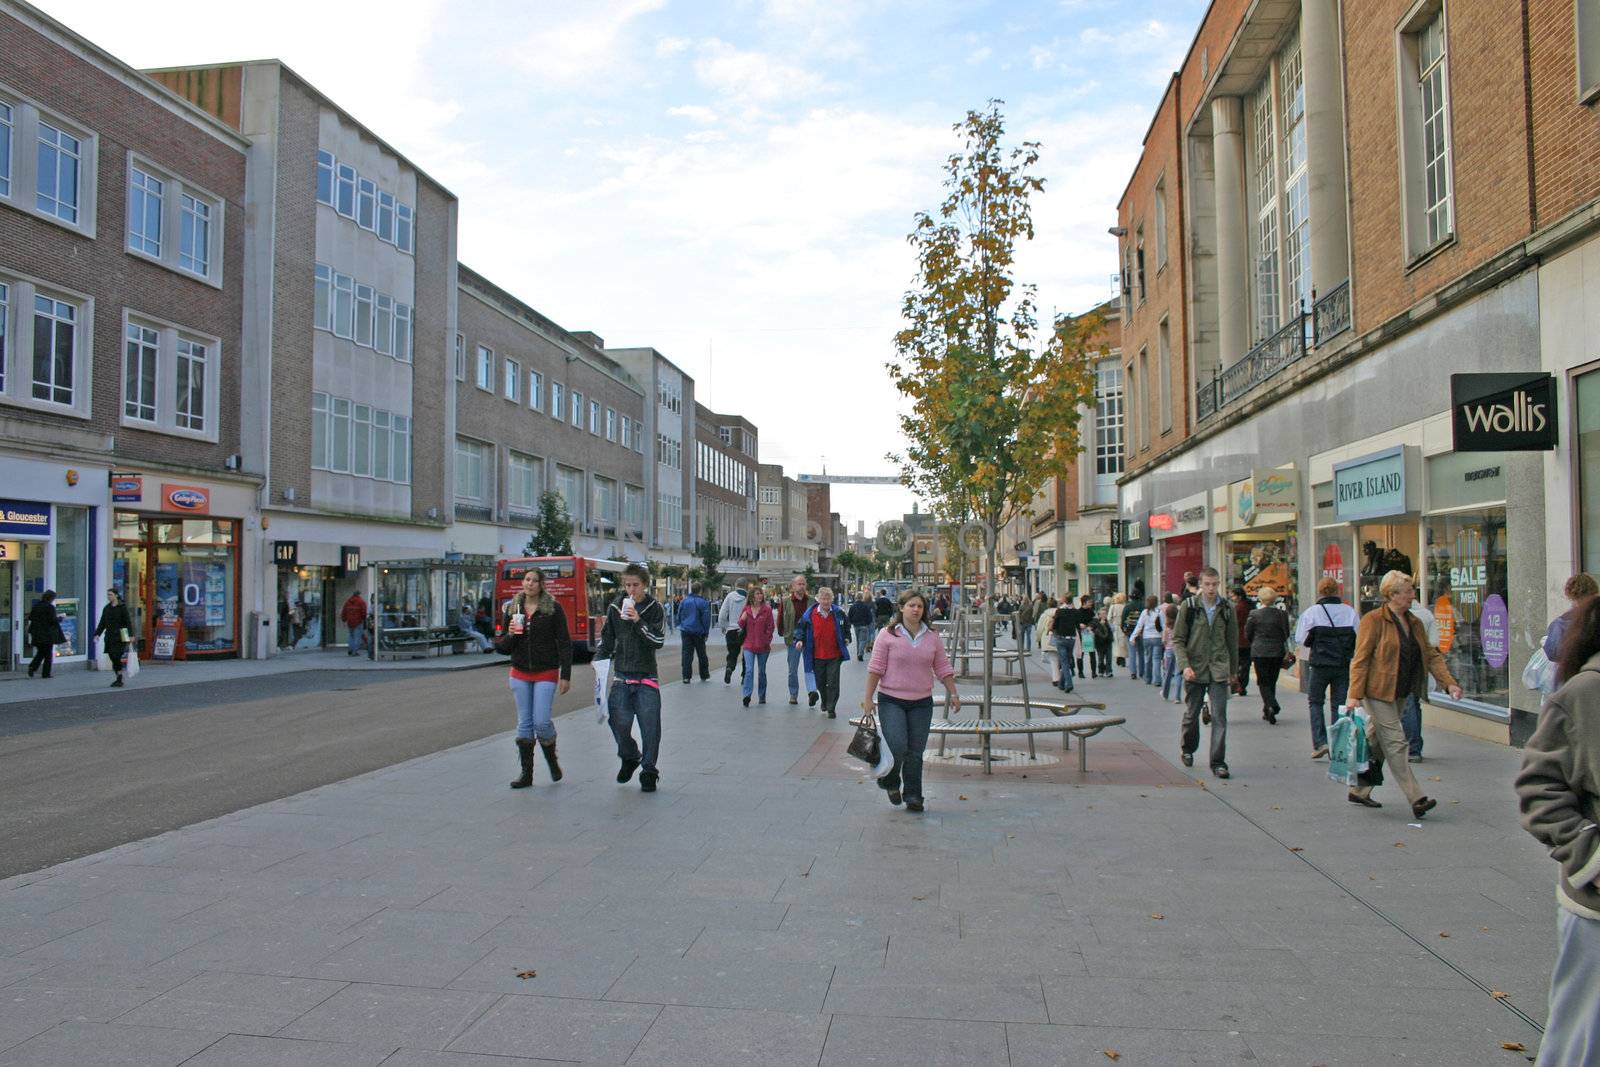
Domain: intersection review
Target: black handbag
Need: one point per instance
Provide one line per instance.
(864, 745)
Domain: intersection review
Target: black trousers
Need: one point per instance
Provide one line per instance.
(1242, 679)
(42, 654)
(1267, 668)
(694, 646)
(827, 672)
(735, 639)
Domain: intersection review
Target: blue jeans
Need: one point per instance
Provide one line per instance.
(863, 638)
(694, 645)
(631, 699)
(1025, 639)
(905, 725)
(754, 661)
(797, 657)
(1135, 658)
(358, 639)
(1064, 654)
(1411, 721)
(1322, 683)
(533, 708)
(1170, 675)
(1150, 659)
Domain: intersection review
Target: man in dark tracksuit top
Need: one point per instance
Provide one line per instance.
(635, 627)
(694, 623)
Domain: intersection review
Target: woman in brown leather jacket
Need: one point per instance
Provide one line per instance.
(1393, 660)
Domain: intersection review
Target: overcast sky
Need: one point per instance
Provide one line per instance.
(730, 181)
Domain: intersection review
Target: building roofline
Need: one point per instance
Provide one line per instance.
(1171, 91)
(306, 84)
(128, 74)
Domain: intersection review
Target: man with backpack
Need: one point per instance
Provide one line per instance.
(1205, 643)
(1328, 629)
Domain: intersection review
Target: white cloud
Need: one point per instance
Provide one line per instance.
(693, 112)
(671, 46)
(583, 48)
(980, 55)
(751, 75)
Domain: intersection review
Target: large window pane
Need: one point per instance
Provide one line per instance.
(194, 250)
(191, 368)
(319, 430)
(1586, 444)
(57, 186)
(6, 127)
(139, 373)
(144, 212)
(54, 349)
(72, 580)
(381, 444)
(1466, 567)
(325, 177)
(339, 435)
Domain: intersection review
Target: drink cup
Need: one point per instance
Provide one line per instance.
(518, 621)
(627, 605)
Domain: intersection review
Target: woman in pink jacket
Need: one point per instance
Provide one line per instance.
(758, 621)
(905, 662)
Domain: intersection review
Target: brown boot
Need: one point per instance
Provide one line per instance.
(525, 757)
(550, 758)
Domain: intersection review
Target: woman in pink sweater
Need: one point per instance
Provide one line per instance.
(905, 662)
(757, 621)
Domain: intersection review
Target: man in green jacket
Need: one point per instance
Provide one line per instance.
(1205, 643)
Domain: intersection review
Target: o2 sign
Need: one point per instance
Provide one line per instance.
(189, 499)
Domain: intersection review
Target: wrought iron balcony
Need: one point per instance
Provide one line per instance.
(1306, 331)
(1330, 315)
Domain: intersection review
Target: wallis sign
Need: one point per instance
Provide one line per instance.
(1503, 412)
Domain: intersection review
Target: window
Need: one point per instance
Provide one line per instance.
(325, 178)
(339, 435)
(364, 315)
(485, 368)
(1132, 437)
(471, 460)
(1164, 373)
(512, 380)
(535, 390)
(344, 191)
(577, 409)
(638, 437)
(144, 212)
(611, 424)
(1141, 413)
(383, 330)
(386, 217)
(627, 432)
(603, 508)
(191, 385)
(1160, 213)
(594, 417)
(633, 507)
(404, 227)
(1588, 34)
(725, 435)
(361, 452)
(139, 373)
(1138, 261)
(402, 449)
(1425, 132)
(344, 305)
(382, 444)
(522, 483)
(769, 526)
(461, 358)
(1264, 189)
(569, 485)
(60, 166)
(367, 204)
(322, 301)
(402, 332)
(319, 431)
(194, 248)
(7, 124)
(1296, 179)
(55, 350)
(769, 494)
(556, 390)
(5, 307)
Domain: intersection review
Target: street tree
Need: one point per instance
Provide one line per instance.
(552, 534)
(710, 555)
(994, 396)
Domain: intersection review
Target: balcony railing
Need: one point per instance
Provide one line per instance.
(1305, 332)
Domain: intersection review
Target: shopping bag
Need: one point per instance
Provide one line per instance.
(1348, 757)
(885, 762)
(602, 687)
(1540, 674)
(866, 746)
(131, 668)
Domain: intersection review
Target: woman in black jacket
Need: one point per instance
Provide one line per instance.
(44, 632)
(1266, 631)
(536, 638)
(116, 626)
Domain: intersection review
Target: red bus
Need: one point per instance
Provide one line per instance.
(582, 586)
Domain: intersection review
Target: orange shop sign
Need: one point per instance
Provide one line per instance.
(188, 499)
(1444, 613)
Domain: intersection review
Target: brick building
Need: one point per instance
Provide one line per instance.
(1360, 201)
(122, 250)
(784, 549)
(727, 465)
(539, 408)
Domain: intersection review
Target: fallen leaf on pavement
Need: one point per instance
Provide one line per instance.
(919, 898)
(1434, 778)
(1157, 916)
(525, 975)
(1483, 929)
(1276, 808)
(1443, 934)
(1297, 850)
(1399, 844)
(963, 796)
(1113, 1054)
(1496, 994)
(1513, 1046)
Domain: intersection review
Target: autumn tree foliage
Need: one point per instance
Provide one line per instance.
(994, 396)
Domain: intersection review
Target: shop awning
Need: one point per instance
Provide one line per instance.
(1102, 559)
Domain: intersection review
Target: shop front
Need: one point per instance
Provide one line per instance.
(1102, 571)
(1138, 558)
(1257, 522)
(1466, 582)
(1374, 522)
(312, 594)
(52, 536)
(1180, 530)
(177, 566)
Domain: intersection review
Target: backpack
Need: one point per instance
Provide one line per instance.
(1129, 621)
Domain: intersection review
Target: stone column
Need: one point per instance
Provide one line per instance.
(1319, 59)
(1233, 260)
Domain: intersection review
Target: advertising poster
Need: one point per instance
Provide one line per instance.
(1495, 631)
(167, 591)
(67, 611)
(216, 595)
(166, 642)
(194, 596)
(119, 577)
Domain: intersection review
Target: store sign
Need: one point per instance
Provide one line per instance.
(1503, 412)
(1370, 487)
(1277, 492)
(24, 518)
(127, 488)
(190, 499)
(1162, 521)
(286, 553)
(1494, 630)
(1102, 559)
(1136, 533)
(1444, 613)
(349, 559)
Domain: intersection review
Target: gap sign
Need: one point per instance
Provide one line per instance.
(1503, 412)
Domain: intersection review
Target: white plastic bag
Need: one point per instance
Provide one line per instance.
(131, 668)
(602, 686)
(1540, 673)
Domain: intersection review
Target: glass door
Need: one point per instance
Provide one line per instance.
(9, 623)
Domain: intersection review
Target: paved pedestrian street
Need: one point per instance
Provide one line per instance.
(767, 906)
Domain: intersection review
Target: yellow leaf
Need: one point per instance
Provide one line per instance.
(1496, 994)
(1113, 1054)
(1157, 916)
(1513, 1046)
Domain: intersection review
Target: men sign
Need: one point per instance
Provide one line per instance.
(1503, 412)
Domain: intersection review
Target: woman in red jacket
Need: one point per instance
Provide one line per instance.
(758, 622)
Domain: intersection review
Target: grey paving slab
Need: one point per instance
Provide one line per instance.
(263, 950)
(690, 1037)
(853, 949)
(400, 959)
(559, 970)
(416, 1018)
(752, 982)
(234, 1003)
(76, 1044)
(241, 1051)
(411, 1057)
(1359, 1051)
(586, 1030)
(1050, 1046)
(865, 1041)
(1048, 951)
(952, 992)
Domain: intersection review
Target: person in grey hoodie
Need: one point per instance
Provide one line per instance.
(1558, 789)
(732, 632)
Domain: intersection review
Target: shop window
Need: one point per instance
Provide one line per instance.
(72, 579)
(1586, 448)
(1383, 547)
(1467, 593)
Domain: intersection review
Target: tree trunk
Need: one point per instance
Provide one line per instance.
(991, 537)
